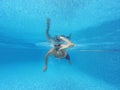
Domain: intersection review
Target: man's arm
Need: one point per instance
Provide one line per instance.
(48, 28)
(68, 45)
(46, 59)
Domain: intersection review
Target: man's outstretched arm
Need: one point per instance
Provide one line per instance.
(48, 28)
(46, 59)
(68, 45)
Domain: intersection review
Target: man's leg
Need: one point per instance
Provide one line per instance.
(68, 58)
(48, 28)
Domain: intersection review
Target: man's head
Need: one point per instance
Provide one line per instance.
(57, 45)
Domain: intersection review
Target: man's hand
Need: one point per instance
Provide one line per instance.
(45, 68)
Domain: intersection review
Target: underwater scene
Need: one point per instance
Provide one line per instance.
(59, 44)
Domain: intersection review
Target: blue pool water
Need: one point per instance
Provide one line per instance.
(95, 28)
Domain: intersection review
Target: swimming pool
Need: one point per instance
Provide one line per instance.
(95, 28)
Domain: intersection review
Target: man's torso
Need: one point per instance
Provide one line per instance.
(59, 53)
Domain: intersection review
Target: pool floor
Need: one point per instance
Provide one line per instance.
(29, 76)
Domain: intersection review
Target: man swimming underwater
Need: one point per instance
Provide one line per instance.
(59, 49)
